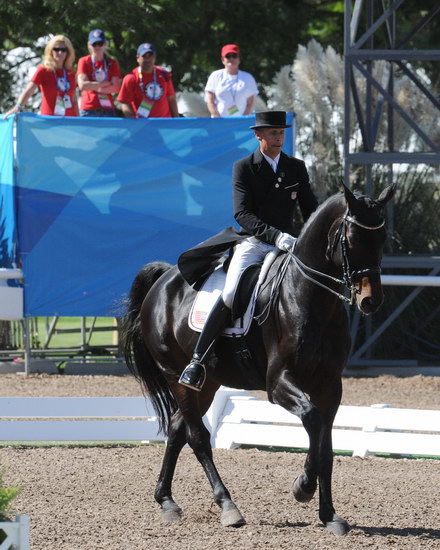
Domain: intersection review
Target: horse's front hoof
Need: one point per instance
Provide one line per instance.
(171, 515)
(232, 518)
(338, 526)
(299, 493)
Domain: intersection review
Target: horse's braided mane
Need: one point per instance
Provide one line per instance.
(334, 203)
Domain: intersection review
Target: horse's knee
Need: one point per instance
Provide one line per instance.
(312, 421)
(199, 439)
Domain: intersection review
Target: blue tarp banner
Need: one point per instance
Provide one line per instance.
(97, 198)
(7, 209)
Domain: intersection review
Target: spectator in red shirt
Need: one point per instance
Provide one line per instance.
(98, 78)
(148, 90)
(56, 80)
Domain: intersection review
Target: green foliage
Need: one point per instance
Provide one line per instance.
(414, 334)
(413, 230)
(416, 204)
(188, 35)
(7, 495)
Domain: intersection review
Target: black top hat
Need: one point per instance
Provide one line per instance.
(270, 119)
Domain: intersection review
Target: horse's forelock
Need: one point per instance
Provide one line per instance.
(368, 202)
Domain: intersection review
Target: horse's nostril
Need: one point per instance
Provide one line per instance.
(369, 305)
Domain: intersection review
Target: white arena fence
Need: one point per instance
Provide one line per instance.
(235, 419)
(17, 533)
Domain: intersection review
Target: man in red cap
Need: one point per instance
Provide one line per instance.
(230, 91)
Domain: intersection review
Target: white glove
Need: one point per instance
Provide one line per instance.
(286, 242)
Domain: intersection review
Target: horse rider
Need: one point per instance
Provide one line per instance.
(267, 185)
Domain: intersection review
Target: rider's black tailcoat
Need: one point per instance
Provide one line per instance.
(264, 204)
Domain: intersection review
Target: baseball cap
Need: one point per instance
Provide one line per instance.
(96, 35)
(145, 48)
(230, 48)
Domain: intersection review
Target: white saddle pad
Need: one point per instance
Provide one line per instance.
(211, 291)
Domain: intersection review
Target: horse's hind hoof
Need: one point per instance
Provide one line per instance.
(171, 515)
(232, 518)
(299, 493)
(338, 526)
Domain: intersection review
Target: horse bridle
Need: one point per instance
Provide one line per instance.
(349, 276)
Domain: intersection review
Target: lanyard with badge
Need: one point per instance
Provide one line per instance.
(100, 75)
(147, 103)
(63, 100)
(233, 89)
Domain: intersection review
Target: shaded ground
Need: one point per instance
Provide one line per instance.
(90, 498)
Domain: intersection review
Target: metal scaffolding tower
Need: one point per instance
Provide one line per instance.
(372, 33)
(378, 21)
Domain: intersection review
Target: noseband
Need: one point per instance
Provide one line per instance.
(349, 276)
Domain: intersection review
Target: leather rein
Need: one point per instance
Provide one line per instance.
(349, 276)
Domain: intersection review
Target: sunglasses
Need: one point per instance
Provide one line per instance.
(60, 50)
(97, 44)
(231, 56)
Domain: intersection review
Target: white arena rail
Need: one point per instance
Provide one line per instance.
(235, 419)
(410, 280)
(62, 419)
(360, 430)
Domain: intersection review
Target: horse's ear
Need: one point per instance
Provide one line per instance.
(387, 194)
(349, 197)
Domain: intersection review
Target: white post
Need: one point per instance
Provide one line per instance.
(23, 532)
(17, 533)
(27, 346)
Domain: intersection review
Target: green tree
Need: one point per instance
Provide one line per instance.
(7, 495)
(188, 35)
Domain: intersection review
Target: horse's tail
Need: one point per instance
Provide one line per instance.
(137, 356)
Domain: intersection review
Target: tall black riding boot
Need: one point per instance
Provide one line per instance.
(194, 374)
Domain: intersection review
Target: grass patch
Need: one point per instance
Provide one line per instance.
(336, 452)
(67, 333)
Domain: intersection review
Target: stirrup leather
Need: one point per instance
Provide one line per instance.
(193, 376)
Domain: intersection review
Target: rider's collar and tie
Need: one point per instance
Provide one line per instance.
(273, 163)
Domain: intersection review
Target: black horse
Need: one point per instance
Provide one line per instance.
(298, 352)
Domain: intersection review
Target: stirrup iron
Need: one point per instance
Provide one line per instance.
(193, 376)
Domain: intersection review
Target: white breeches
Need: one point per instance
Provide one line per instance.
(247, 252)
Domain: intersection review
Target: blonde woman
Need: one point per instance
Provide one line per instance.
(55, 78)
